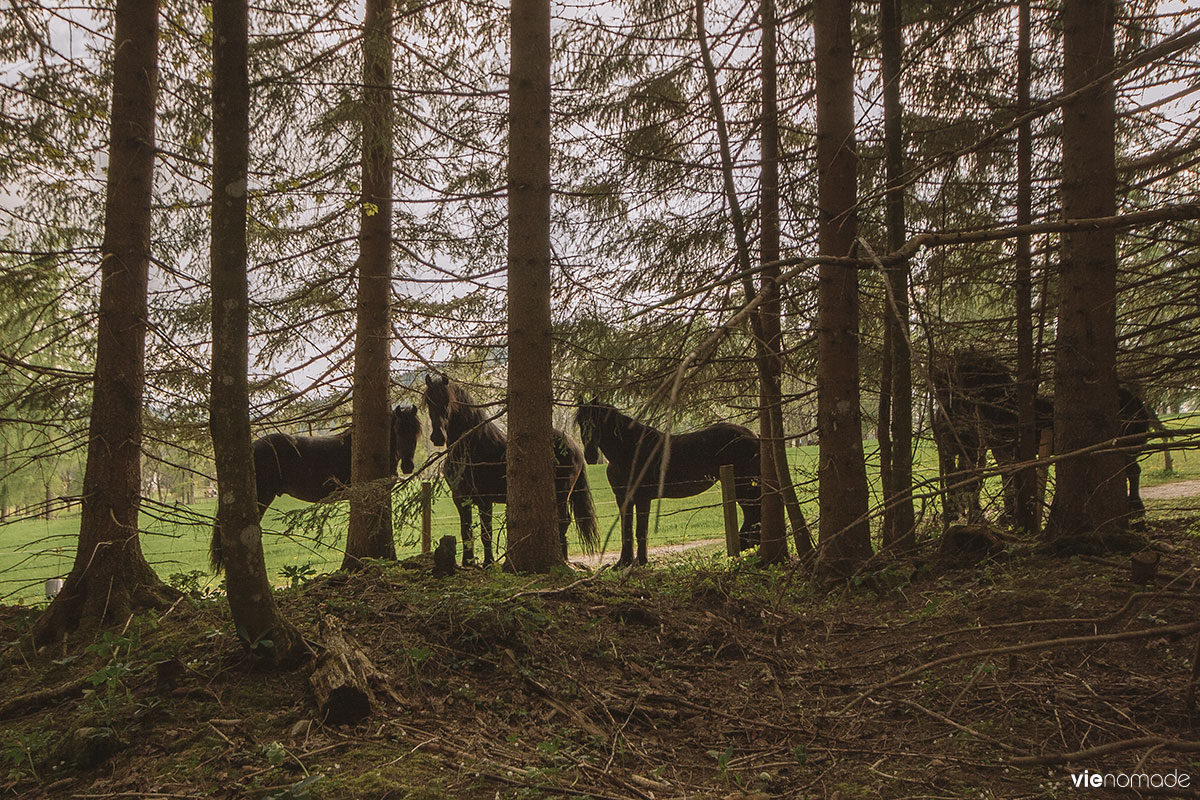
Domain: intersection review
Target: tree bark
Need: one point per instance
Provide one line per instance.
(773, 452)
(533, 541)
(269, 638)
(845, 535)
(773, 543)
(899, 524)
(1090, 498)
(1026, 516)
(110, 578)
(370, 529)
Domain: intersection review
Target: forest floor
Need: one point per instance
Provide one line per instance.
(698, 677)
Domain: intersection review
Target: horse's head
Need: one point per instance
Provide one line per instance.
(406, 430)
(439, 401)
(589, 416)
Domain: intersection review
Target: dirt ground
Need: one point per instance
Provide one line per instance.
(698, 677)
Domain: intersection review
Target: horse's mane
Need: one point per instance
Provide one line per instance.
(624, 424)
(475, 416)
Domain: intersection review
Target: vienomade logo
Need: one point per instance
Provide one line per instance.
(1131, 780)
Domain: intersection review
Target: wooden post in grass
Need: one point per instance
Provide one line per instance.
(733, 545)
(426, 516)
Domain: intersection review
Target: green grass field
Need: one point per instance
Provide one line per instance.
(175, 538)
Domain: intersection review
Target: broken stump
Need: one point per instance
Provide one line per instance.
(345, 681)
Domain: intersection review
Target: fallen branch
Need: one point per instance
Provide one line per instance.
(1183, 630)
(959, 726)
(28, 703)
(559, 589)
(1091, 753)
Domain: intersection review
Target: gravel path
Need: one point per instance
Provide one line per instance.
(610, 556)
(1164, 491)
(1172, 491)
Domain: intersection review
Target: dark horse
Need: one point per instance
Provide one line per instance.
(635, 456)
(476, 462)
(311, 468)
(976, 412)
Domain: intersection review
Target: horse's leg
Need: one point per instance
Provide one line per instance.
(947, 466)
(1006, 456)
(978, 460)
(625, 507)
(485, 529)
(563, 503)
(643, 528)
(749, 496)
(464, 526)
(1133, 472)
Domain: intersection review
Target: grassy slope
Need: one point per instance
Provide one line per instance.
(176, 538)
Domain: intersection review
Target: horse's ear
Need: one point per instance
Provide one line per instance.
(428, 380)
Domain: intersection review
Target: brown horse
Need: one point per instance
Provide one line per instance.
(311, 468)
(976, 412)
(476, 463)
(635, 453)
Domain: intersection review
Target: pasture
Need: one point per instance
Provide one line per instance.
(303, 539)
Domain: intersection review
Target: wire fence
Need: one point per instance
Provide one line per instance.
(300, 538)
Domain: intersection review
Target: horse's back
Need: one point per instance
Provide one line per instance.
(694, 462)
(308, 468)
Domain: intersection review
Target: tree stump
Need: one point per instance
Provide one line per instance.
(345, 681)
(971, 544)
(443, 557)
(1143, 567)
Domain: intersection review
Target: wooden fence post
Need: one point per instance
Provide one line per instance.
(426, 516)
(733, 545)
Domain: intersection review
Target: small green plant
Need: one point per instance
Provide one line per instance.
(254, 645)
(19, 752)
(297, 574)
(550, 746)
(723, 759)
(275, 752)
(190, 583)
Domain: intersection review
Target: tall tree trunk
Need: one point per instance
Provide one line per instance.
(773, 546)
(533, 541)
(268, 637)
(1090, 497)
(370, 531)
(898, 519)
(770, 420)
(845, 534)
(110, 578)
(1026, 515)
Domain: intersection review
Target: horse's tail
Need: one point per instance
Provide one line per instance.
(215, 556)
(585, 513)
